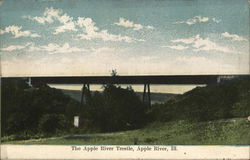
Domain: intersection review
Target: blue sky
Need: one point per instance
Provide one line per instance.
(145, 37)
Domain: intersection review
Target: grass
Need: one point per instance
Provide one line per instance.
(223, 132)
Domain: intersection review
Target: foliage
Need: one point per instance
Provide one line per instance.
(115, 109)
(29, 111)
(207, 103)
(22, 107)
(52, 123)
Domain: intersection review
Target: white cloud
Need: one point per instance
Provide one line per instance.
(15, 47)
(17, 32)
(234, 37)
(51, 48)
(216, 20)
(198, 19)
(87, 25)
(91, 31)
(130, 24)
(206, 45)
(50, 15)
(102, 50)
(67, 26)
(177, 47)
(201, 44)
(65, 48)
(186, 41)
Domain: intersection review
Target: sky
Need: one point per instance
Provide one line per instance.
(142, 37)
(174, 89)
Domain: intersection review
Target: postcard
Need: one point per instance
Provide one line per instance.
(125, 79)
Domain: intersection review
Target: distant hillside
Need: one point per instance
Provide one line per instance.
(73, 94)
(155, 97)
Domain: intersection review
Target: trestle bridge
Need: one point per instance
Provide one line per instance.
(86, 81)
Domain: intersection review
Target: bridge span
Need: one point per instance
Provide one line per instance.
(145, 80)
(169, 79)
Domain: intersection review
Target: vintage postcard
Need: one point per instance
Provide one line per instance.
(125, 79)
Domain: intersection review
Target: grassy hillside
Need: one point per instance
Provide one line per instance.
(223, 132)
(155, 97)
(228, 100)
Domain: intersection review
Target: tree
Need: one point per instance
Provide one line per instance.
(114, 73)
(116, 109)
(22, 106)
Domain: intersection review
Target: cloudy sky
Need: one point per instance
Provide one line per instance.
(92, 37)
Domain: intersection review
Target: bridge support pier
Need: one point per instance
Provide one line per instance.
(86, 95)
(146, 99)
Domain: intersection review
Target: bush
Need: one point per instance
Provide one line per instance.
(52, 124)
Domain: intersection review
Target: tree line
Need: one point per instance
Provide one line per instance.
(45, 111)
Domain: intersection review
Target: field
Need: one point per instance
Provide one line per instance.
(223, 132)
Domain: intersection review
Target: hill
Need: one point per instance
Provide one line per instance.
(221, 101)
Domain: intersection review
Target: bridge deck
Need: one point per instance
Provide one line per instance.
(175, 79)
